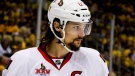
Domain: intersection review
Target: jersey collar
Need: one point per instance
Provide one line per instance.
(48, 58)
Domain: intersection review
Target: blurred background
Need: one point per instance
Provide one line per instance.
(22, 24)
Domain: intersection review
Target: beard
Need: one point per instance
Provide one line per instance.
(73, 46)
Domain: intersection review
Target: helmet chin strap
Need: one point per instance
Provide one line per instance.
(64, 45)
(61, 39)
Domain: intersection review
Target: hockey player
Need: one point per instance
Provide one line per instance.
(60, 52)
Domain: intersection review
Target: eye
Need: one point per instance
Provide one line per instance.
(76, 27)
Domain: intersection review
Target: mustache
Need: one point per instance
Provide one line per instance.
(79, 38)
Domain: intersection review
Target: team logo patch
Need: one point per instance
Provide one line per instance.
(42, 70)
(81, 3)
(8, 63)
(60, 3)
(102, 57)
(57, 62)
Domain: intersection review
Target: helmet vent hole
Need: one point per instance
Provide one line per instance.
(82, 19)
(72, 13)
(75, 10)
(78, 15)
(83, 9)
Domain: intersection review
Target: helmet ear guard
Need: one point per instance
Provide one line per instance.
(56, 33)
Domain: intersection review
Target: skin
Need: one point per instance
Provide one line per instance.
(4, 60)
(73, 36)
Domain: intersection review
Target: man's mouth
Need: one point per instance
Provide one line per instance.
(78, 40)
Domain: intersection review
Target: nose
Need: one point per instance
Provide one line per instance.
(81, 33)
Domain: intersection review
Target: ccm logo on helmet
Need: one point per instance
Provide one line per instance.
(86, 15)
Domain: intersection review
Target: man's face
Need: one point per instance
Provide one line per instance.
(74, 33)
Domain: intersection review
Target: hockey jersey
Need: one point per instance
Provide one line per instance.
(36, 62)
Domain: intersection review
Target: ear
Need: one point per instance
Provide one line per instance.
(56, 26)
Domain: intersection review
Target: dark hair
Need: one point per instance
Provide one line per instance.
(49, 36)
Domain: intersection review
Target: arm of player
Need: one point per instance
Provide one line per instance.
(103, 68)
(16, 66)
(96, 62)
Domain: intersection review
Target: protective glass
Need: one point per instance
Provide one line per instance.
(88, 27)
(80, 27)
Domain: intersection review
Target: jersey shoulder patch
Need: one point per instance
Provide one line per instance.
(102, 57)
(8, 63)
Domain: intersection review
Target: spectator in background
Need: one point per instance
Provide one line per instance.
(25, 30)
(2, 28)
(3, 62)
(12, 28)
(5, 45)
(5, 50)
